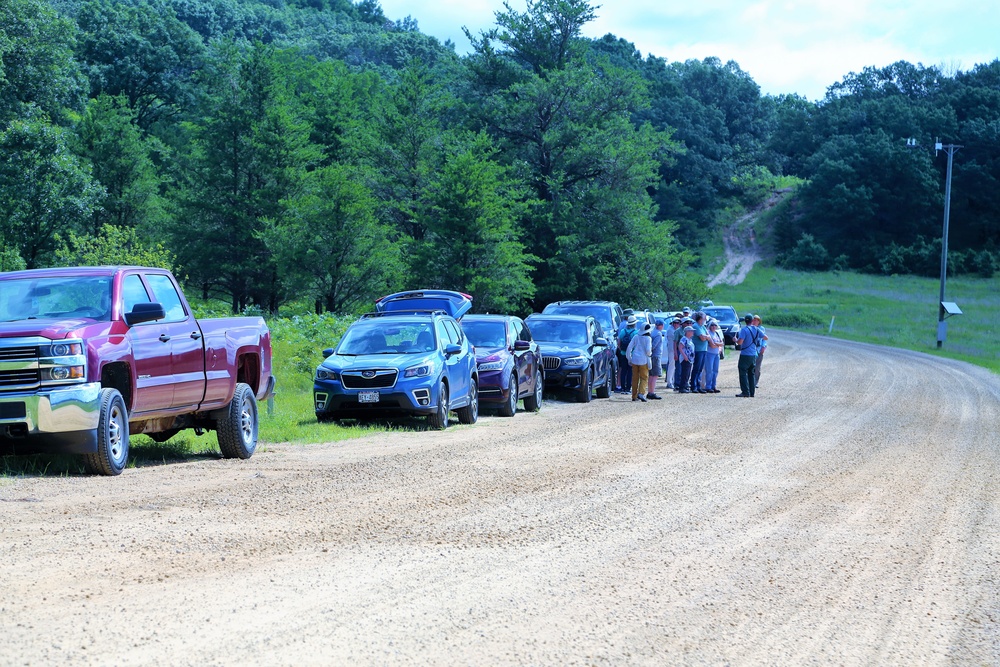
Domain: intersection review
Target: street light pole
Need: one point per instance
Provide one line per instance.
(942, 329)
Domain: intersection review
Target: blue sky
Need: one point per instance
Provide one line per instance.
(789, 46)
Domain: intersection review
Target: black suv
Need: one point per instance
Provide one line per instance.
(607, 313)
(729, 322)
(575, 354)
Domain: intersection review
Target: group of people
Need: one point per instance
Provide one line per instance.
(687, 354)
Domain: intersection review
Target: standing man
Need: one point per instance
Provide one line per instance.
(655, 365)
(669, 357)
(685, 358)
(747, 341)
(625, 336)
(700, 352)
(760, 351)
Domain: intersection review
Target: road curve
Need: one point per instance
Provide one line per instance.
(849, 514)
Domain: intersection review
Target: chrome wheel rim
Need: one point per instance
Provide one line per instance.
(247, 422)
(538, 388)
(117, 449)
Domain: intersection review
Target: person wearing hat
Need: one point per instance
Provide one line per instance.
(747, 340)
(669, 357)
(715, 345)
(655, 366)
(700, 352)
(678, 336)
(640, 354)
(685, 358)
(625, 336)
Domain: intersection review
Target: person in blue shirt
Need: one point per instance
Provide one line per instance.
(685, 358)
(747, 341)
(656, 364)
(700, 341)
(761, 349)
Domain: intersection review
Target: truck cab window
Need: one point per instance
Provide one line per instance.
(166, 294)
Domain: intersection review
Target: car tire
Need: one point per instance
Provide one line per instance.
(237, 429)
(509, 408)
(470, 413)
(586, 392)
(604, 391)
(534, 402)
(111, 456)
(439, 420)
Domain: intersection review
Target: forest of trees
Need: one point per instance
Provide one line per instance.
(319, 152)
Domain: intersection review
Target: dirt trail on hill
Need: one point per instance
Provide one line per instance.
(849, 515)
(739, 242)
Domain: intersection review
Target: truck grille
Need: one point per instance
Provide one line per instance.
(551, 363)
(27, 378)
(18, 353)
(382, 379)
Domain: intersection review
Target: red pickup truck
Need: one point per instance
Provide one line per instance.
(90, 355)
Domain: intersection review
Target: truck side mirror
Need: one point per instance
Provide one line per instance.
(145, 312)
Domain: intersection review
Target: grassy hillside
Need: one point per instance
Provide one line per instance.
(900, 311)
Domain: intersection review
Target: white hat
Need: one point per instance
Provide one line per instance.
(631, 319)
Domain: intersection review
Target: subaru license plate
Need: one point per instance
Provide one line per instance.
(368, 397)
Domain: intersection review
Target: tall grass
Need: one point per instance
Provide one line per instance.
(899, 311)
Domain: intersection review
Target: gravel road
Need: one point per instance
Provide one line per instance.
(849, 515)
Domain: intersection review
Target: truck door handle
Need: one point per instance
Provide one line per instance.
(196, 335)
(164, 338)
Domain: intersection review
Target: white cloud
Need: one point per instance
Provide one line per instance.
(787, 46)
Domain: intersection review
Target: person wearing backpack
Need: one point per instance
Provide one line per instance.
(624, 338)
(747, 341)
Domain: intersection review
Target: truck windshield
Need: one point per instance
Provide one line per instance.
(55, 298)
(378, 337)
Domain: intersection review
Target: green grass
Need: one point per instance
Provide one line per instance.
(899, 311)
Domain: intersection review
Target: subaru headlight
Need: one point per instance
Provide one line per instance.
(325, 374)
(575, 361)
(491, 366)
(420, 371)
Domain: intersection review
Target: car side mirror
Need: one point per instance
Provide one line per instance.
(452, 348)
(145, 312)
(601, 342)
(522, 345)
(327, 352)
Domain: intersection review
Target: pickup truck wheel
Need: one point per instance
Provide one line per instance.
(586, 391)
(439, 420)
(470, 413)
(237, 430)
(510, 407)
(534, 402)
(112, 436)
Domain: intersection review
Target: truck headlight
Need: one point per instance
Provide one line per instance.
(62, 362)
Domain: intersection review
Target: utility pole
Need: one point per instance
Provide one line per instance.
(945, 309)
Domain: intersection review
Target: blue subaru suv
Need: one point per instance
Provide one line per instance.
(411, 357)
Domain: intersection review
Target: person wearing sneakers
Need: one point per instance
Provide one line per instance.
(685, 359)
(747, 341)
(656, 336)
(715, 344)
(639, 353)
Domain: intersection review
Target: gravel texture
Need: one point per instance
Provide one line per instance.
(849, 515)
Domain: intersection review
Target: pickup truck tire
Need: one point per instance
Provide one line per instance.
(112, 436)
(534, 402)
(439, 420)
(509, 408)
(237, 430)
(470, 413)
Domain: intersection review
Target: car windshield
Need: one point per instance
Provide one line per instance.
(556, 331)
(600, 313)
(486, 334)
(378, 337)
(52, 298)
(721, 313)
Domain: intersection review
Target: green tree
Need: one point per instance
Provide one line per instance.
(138, 50)
(471, 241)
(45, 191)
(37, 68)
(331, 246)
(120, 158)
(111, 246)
(249, 152)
